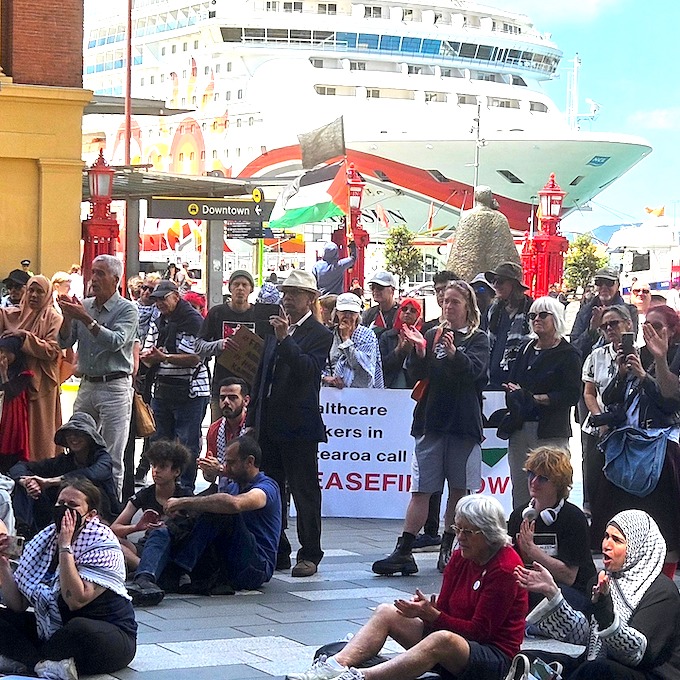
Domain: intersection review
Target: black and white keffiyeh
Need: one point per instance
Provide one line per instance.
(99, 560)
(645, 555)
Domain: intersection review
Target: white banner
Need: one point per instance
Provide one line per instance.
(365, 468)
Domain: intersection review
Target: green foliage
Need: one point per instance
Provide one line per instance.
(401, 256)
(582, 262)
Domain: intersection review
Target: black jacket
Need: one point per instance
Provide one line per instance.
(555, 372)
(285, 399)
(452, 403)
(392, 360)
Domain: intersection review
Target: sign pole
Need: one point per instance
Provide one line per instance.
(213, 270)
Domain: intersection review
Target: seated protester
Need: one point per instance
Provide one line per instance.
(354, 358)
(552, 531)
(15, 380)
(395, 346)
(168, 460)
(634, 630)
(234, 397)
(37, 482)
(473, 629)
(241, 523)
(73, 576)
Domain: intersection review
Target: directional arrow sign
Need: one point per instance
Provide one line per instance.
(227, 209)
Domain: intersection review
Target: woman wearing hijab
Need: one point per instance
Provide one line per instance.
(395, 346)
(634, 632)
(37, 324)
(73, 576)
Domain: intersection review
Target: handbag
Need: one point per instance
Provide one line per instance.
(634, 460)
(420, 389)
(145, 423)
(524, 669)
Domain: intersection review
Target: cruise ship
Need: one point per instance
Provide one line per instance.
(436, 97)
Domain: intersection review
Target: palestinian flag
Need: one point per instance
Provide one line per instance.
(312, 197)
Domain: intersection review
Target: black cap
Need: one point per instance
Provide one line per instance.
(17, 276)
(163, 288)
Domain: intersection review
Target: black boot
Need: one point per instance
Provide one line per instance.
(445, 551)
(401, 560)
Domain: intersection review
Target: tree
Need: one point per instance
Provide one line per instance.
(582, 262)
(401, 256)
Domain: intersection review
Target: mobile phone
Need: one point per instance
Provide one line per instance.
(627, 343)
(151, 516)
(15, 547)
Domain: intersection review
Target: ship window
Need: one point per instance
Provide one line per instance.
(162, 51)
(214, 154)
(415, 69)
(185, 47)
(276, 33)
(238, 152)
(195, 44)
(435, 96)
(216, 96)
(292, 7)
(516, 80)
(228, 67)
(576, 180)
(141, 82)
(357, 65)
(489, 77)
(162, 77)
(193, 100)
(484, 52)
(503, 103)
(322, 36)
(238, 122)
(272, 6)
(447, 73)
(204, 126)
(327, 8)
(218, 68)
(300, 36)
(431, 47)
(389, 42)
(408, 14)
(368, 41)
(206, 70)
(468, 50)
(227, 96)
(349, 39)
(253, 33)
(511, 177)
(372, 12)
(373, 94)
(152, 79)
(467, 99)
(323, 89)
(538, 106)
(410, 45)
(251, 121)
(184, 73)
(202, 155)
(317, 63)
(192, 156)
(239, 94)
(181, 157)
(231, 34)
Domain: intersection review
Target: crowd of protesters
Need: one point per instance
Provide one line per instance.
(618, 369)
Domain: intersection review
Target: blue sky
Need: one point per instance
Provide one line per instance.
(629, 67)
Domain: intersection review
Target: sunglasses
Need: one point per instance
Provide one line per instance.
(410, 310)
(539, 315)
(531, 475)
(614, 323)
(459, 531)
(605, 282)
(149, 288)
(638, 291)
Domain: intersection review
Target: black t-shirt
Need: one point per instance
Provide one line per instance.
(109, 607)
(222, 321)
(145, 499)
(571, 532)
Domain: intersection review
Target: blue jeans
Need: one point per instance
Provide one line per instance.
(181, 420)
(156, 553)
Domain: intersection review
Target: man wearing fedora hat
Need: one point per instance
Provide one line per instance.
(507, 320)
(284, 410)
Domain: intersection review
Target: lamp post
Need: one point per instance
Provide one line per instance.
(100, 229)
(543, 252)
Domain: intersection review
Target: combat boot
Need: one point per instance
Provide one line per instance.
(401, 560)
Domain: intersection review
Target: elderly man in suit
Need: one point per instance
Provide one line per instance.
(285, 412)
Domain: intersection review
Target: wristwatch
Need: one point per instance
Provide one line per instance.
(92, 324)
(66, 549)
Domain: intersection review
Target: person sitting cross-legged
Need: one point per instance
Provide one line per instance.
(470, 632)
(241, 523)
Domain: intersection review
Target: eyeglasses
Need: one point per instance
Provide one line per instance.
(614, 323)
(459, 531)
(605, 282)
(149, 288)
(539, 315)
(640, 291)
(541, 479)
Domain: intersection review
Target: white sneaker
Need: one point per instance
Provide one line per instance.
(57, 670)
(320, 670)
(351, 674)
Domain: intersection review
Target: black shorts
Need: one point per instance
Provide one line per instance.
(486, 663)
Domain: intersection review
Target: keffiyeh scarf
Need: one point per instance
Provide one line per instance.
(99, 560)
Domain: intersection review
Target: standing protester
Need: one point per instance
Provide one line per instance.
(329, 271)
(395, 348)
(544, 383)
(105, 328)
(223, 321)
(451, 362)
(381, 316)
(181, 387)
(641, 297)
(285, 412)
(36, 323)
(16, 285)
(440, 281)
(507, 321)
(585, 336)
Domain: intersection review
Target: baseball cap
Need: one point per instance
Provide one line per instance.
(607, 273)
(348, 302)
(242, 273)
(384, 279)
(17, 276)
(162, 289)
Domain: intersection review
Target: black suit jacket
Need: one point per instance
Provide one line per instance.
(285, 402)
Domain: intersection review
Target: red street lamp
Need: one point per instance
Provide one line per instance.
(543, 254)
(100, 229)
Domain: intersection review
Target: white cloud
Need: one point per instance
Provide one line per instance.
(656, 119)
(545, 14)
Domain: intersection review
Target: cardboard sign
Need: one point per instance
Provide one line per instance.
(244, 359)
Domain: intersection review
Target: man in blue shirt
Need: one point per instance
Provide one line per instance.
(105, 328)
(241, 522)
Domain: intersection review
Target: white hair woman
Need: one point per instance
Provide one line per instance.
(470, 631)
(545, 382)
